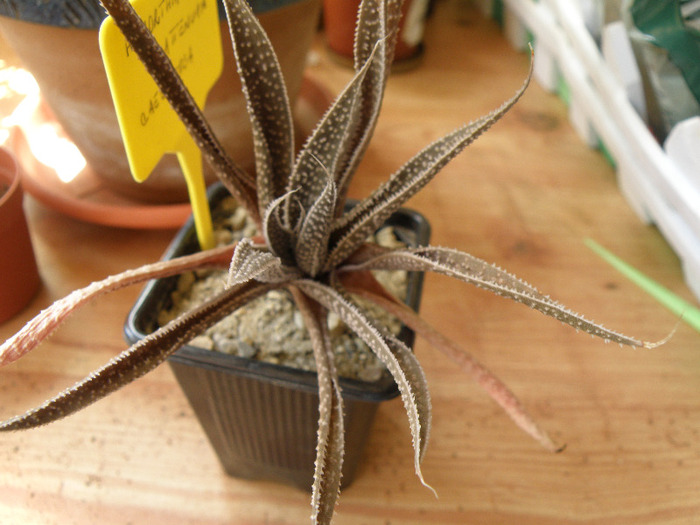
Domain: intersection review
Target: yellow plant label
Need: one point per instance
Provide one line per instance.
(188, 31)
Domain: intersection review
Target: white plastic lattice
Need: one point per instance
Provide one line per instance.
(603, 91)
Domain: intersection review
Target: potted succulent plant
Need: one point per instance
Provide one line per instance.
(310, 244)
(238, 360)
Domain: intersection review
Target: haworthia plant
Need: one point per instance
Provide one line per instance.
(310, 245)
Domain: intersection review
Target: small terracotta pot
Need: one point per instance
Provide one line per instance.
(339, 17)
(67, 65)
(19, 277)
(261, 418)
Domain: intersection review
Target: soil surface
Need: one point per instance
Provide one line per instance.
(271, 328)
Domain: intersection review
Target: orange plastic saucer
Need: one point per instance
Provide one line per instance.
(87, 198)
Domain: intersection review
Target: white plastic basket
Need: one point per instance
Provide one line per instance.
(603, 115)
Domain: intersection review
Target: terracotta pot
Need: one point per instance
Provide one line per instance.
(19, 277)
(261, 418)
(339, 17)
(68, 67)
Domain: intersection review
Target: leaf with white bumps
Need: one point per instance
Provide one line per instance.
(330, 446)
(268, 103)
(484, 275)
(352, 229)
(139, 359)
(358, 323)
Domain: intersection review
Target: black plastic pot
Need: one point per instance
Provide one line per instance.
(262, 418)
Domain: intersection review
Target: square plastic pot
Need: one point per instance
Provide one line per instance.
(261, 418)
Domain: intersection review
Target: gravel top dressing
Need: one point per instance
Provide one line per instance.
(270, 328)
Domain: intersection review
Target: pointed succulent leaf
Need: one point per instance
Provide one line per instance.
(358, 323)
(331, 441)
(279, 236)
(159, 66)
(365, 285)
(252, 263)
(312, 243)
(491, 384)
(319, 155)
(268, 103)
(138, 360)
(484, 275)
(376, 20)
(376, 34)
(416, 377)
(44, 324)
(353, 228)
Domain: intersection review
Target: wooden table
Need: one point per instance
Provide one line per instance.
(524, 196)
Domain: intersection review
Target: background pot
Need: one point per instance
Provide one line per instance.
(339, 17)
(261, 418)
(57, 42)
(19, 277)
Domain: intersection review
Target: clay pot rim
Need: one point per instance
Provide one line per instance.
(9, 174)
(19, 275)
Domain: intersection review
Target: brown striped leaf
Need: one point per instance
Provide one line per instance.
(319, 156)
(352, 229)
(331, 440)
(44, 324)
(252, 262)
(268, 103)
(376, 33)
(363, 327)
(488, 276)
(491, 384)
(312, 243)
(139, 359)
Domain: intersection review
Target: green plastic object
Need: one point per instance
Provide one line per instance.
(689, 313)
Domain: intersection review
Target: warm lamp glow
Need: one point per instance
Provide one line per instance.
(45, 139)
(56, 152)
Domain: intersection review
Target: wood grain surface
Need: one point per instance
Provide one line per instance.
(523, 196)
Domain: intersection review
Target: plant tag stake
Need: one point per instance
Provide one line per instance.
(189, 34)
